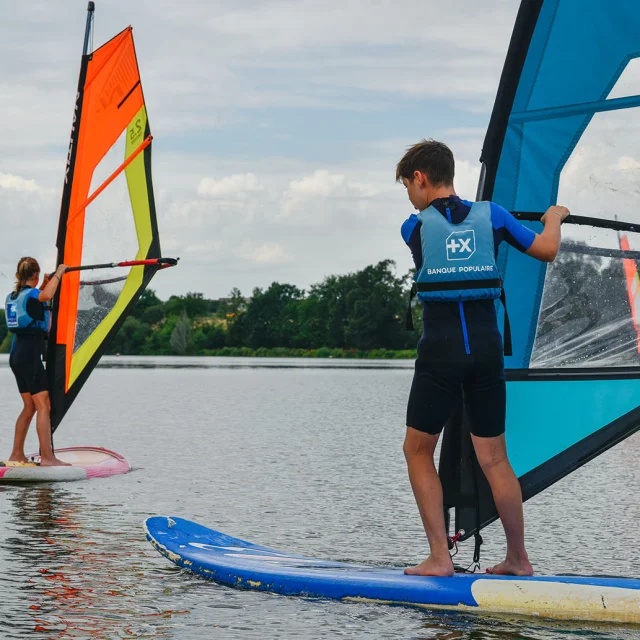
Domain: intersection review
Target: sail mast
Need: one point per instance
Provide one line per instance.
(55, 352)
(87, 32)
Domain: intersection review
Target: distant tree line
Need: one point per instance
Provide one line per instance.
(359, 314)
(585, 314)
(343, 315)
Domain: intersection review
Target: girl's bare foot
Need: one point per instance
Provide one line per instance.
(432, 567)
(53, 462)
(18, 458)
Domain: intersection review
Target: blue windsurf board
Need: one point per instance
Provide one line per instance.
(217, 556)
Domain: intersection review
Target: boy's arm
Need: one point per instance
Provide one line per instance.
(546, 245)
(543, 246)
(411, 236)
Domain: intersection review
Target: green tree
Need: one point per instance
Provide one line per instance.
(375, 309)
(195, 305)
(181, 335)
(153, 315)
(312, 328)
(272, 316)
(364, 310)
(147, 300)
(233, 311)
(208, 336)
(131, 337)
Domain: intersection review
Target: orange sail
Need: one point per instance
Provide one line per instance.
(107, 211)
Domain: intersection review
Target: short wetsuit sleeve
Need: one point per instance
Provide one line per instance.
(408, 227)
(511, 230)
(35, 308)
(411, 235)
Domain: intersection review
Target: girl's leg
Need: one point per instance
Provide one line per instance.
(22, 427)
(43, 426)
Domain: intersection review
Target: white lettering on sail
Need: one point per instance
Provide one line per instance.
(72, 139)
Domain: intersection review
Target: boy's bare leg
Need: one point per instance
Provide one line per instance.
(419, 448)
(492, 456)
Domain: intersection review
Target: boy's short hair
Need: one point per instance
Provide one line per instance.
(432, 158)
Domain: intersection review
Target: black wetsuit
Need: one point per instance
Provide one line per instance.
(27, 350)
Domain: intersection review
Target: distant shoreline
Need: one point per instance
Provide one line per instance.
(323, 352)
(279, 352)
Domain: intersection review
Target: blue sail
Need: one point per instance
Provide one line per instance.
(564, 129)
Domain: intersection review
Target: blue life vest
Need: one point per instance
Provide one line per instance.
(458, 260)
(18, 319)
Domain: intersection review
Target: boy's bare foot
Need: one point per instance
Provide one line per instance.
(510, 567)
(432, 567)
(53, 462)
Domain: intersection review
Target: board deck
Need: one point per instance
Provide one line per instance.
(87, 462)
(238, 563)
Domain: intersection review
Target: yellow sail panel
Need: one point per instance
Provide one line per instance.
(138, 181)
(138, 185)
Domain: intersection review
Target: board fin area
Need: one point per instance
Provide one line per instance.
(238, 563)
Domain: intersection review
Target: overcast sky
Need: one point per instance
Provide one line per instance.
(277, 125)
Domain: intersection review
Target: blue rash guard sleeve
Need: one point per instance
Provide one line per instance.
(408, 226)
(511, 230)
(411, 235)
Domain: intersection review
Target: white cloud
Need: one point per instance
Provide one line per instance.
(264, 254)
(322, 185)
(17, 183)
(237, 186)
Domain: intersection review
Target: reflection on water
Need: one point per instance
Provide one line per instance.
(72, 571)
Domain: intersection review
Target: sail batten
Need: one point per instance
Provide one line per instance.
(588, 108)
(110, 179)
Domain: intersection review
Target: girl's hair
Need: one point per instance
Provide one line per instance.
(27, 269)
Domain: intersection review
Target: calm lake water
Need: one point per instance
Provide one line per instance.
(301, 459)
